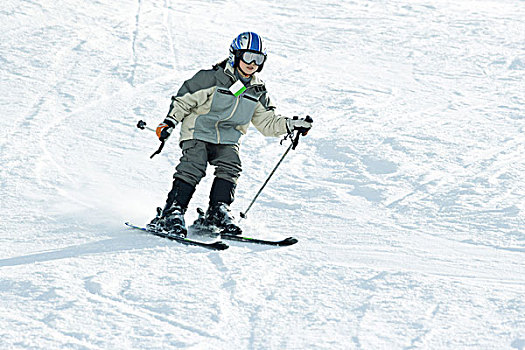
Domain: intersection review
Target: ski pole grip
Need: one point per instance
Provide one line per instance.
(301, 132)
(308, 119)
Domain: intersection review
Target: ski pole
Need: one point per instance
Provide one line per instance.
(293, 145)
(142, 126)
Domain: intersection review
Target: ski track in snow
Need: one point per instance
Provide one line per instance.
(407, 196)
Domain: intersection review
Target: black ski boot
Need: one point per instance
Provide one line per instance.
(154, 224)
(172, 221)
(219, 216)
(171, 218)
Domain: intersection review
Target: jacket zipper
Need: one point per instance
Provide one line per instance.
(223, 120)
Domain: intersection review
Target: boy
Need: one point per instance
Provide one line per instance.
(215, 108)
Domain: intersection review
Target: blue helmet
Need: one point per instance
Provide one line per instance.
(247, 41)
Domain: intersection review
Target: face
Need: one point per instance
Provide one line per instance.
(248, 68)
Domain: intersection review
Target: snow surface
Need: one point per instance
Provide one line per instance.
(407, 196)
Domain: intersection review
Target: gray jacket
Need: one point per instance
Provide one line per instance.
(210, 112)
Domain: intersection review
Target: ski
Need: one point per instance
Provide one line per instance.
(217, 245)
(280, 243)
(197, 226)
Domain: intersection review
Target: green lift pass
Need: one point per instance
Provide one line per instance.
(237, 88)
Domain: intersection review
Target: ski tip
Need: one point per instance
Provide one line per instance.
(289, 241)
(129, 224)
(220, 246)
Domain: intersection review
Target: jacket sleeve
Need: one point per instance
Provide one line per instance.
(266, 121)
(193, 93)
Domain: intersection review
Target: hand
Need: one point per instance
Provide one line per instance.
(303, 125)
(165, 128)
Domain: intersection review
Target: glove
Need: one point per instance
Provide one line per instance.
(165, 128)
(303, 125)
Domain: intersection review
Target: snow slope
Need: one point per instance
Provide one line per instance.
(407, 196)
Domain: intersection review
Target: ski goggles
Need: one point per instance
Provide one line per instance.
(250, 57)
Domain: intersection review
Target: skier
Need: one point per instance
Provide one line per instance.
(215, 107)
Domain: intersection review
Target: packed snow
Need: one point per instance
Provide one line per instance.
(407, 196)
